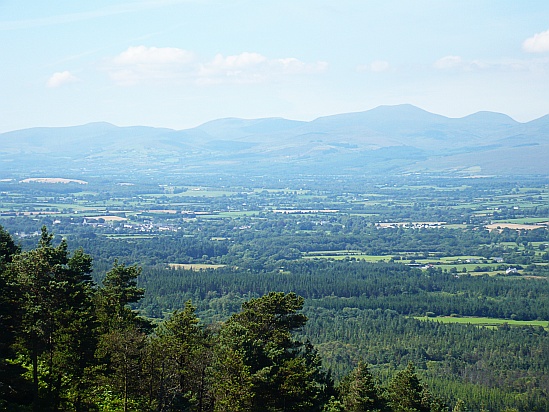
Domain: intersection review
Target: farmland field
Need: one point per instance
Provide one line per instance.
(195, 266)
(485, 322)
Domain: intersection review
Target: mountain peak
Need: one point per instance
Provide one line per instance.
(486, 118)
(235, 127)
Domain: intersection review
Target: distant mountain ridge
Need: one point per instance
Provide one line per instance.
(387, 139)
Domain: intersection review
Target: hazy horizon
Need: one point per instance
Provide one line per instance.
(275, 117)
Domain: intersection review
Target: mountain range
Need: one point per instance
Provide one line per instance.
(384, 140)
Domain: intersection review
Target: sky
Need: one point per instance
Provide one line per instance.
(180, 63)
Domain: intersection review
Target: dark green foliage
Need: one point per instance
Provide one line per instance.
(363, 285)
(56, 331)
(406, 393)
(257, 348)
(359, 392)
(12, 387)
(118, 292)
(122, 336)
(457, 361)
(181, 352)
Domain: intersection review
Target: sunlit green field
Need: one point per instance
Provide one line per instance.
(486, 322)
(194, 266)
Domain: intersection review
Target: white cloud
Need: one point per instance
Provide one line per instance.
(60, 78)
(241, 68)
(456, 63)
(377, 66)
(538, 43)
(237, 62)
(140, 63)
(249, 67)
(291, 65)
(449, 62)
(153, 55)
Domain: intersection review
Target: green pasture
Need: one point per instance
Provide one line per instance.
(455, 226)
(131, 236)
(195, 193)
(236, 213)
(447, 262)
(194, 266)
(317, 253)
(524, 220)
(346, 254)
(485, 322)
(463, 258)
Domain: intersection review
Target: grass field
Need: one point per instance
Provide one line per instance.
(485, 322)
(447, 262)
(524, 220)
(514, 226)
(346, 254)
(53, 180)
(194, 266)
(130, 236)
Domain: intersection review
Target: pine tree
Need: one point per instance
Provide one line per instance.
(123, 336)
(359, 391)
(12, 386)
(114, 298)
(231, 379)
(406, 392)
(57, 321)
(183, 354)
(278, 373)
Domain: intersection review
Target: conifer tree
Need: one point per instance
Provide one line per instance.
(12, 386)
(231, 379)
(359, 391)
(279, 373)
(406, 393)
(182, 355)
(122, 340)
(57, 321)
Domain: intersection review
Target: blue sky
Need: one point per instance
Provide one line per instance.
(179, 63)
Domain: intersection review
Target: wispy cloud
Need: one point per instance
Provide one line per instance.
(449, 62)
(141, 55)
(61, 78)
(377, 66)
(140, 63)
(538, 43)
(249, 67)
(91, 14)
(457, 63)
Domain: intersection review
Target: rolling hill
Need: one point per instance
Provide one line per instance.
(387, 139)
